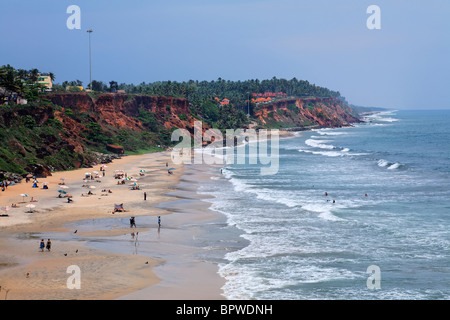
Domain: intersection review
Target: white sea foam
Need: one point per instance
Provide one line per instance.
(382, 163)
(324, 153)
(334, 153)
(389, 165)
(382, 116)
(330, 132)
(387, 119)
(240, 185)
(244, 282)
(318, 144)
(394, 166)
(324, 210)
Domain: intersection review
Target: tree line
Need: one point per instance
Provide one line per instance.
(197, 92)
(236, 91)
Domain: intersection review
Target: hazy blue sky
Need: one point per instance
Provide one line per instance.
(405, 65)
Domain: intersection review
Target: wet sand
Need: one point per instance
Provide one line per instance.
(187, 274)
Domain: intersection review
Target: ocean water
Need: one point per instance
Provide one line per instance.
(388, 205)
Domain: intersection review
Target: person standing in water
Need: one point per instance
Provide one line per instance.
(42, 245)
(49, 244)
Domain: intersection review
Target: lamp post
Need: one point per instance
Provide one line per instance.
(248, 104)
(90, 70)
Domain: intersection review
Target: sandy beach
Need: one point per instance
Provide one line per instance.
(115, 260)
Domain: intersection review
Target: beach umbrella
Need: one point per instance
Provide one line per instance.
(62, 191)
(104, 166)
(171, 168)
(95, 172)
(64, 187)
(142, 170)
(23, 195)
(5, 208)
(91, 187)
(31, 206)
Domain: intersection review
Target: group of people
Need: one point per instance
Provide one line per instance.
(5, 183)
(48, 246)
(133, 222)
(11, 181)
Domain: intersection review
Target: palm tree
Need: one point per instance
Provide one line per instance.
(10, 81)
(52, 76)
(22, 74)
(34, 74)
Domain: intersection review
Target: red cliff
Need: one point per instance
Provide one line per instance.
(121, 110)
(326, 112)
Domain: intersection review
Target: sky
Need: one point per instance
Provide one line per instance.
(403, 65)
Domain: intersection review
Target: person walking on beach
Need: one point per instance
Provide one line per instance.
(49, 244)
(145, 195)
(132, 222)
(159, 221)
(42, 245)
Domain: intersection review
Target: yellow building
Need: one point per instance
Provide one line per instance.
(46, 81)
(75, 88)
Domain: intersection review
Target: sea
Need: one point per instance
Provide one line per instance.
(359, 212)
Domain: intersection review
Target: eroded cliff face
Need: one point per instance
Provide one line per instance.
(121, 110)
(326, 112)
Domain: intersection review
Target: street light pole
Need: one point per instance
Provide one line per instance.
(90, 70)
